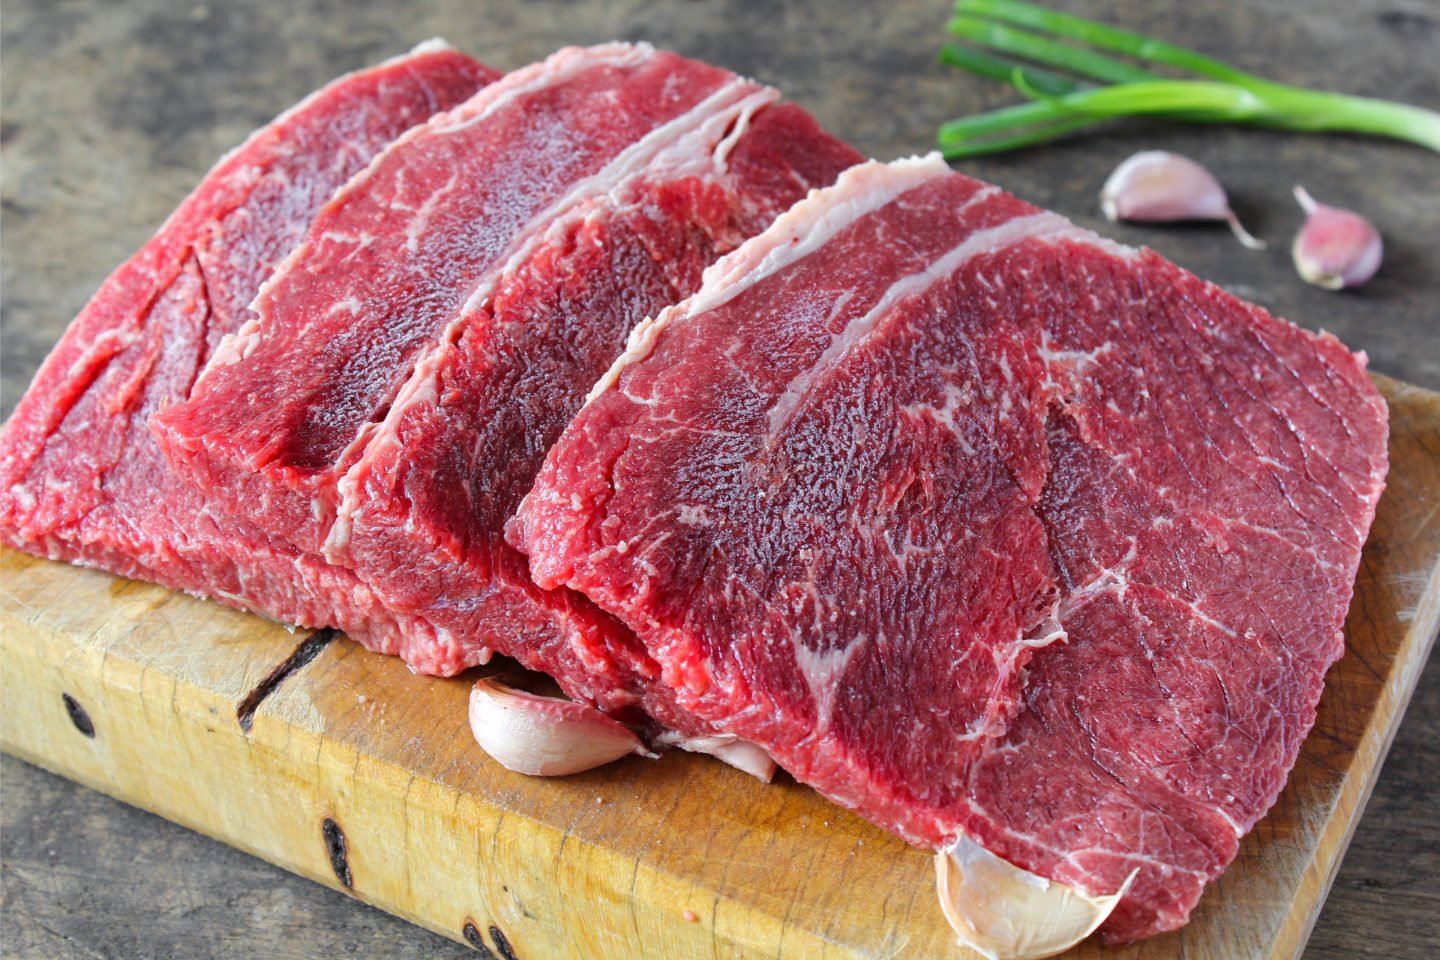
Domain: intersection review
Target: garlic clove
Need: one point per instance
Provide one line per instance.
(741, 754)
(1007, 913)
(1156, 186)
(1335, 248)
(545, 736)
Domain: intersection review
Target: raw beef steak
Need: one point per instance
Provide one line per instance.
(81, 477)
(407, 369)
(979, 522)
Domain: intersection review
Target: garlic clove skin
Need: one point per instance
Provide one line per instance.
(1006, 913)
(743, 755)
(545, 736)
(1156, 186)
(1336, 248)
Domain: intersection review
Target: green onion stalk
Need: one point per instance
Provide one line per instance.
(1084, 86)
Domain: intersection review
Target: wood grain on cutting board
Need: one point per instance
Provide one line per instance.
(344, 767)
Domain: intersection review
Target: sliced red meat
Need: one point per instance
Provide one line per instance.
(979, 522)
(81, 477)
(409, 366)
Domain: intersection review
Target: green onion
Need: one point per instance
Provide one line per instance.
(1020, 43)
(1001, 68)
(1110, 87)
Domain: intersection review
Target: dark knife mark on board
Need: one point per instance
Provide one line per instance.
(502, 943)
(79, 716)
(473, 937)
(477, 940)
(335, 846)
(307, 651)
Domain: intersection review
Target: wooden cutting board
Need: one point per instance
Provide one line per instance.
(344, 767)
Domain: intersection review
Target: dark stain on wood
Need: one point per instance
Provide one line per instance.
(308, 650)
(334, 839)
(78, 716)
(472, 937)
(502, 944)
(519, 903)
(1407, 23)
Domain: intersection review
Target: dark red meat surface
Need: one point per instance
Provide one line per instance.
(409, 367)
(978, 522)
(81, 477)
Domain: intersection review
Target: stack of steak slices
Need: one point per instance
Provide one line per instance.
(982, 525)
(81, 476)
(976, 522)
(407, 368)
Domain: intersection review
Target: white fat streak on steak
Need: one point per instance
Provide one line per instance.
(797, 232)
(1039, 226)
(772, 486)
(81, 477)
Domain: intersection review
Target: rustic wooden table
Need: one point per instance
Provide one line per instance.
(111, 113)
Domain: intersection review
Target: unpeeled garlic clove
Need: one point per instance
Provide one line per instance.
(545, 736)
(1007, 913)
(1156, 186)
(1335, 248)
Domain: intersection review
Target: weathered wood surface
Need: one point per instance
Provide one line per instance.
(112, 111)
(344, 767)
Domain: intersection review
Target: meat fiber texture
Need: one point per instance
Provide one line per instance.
(408, 367)
(981, 523)
(81, 477)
